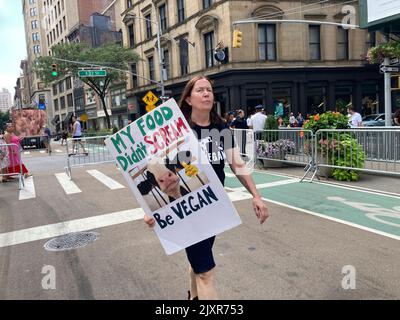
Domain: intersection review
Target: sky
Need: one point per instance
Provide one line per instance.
(12, 40)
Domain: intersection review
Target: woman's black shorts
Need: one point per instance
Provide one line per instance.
(200, 255)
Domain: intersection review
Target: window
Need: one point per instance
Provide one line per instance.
(58, 7)
(62, 102)
(36, 49)
(131, 35)
(148, 26)
(61, 29)
(134, 75)
(342, 44)
(151, 68)
(70, 102)
(371, 39)
(64, 23)
(61, 86)
(55, 89)
(181, 10)
(34, 24)
(55, 101)
(163, 17)
(267, 42)
(35, 36)
(166, 73)
(118, 98)
(33, 12)
(32, 1)
(207, 3)
(315, 44)
(128, 3)
(209, 49)
(68, 82)
(184, 55)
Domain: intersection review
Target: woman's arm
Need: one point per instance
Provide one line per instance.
(238, 166)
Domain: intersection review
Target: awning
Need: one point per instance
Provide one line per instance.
(56, 120)
(68, 117)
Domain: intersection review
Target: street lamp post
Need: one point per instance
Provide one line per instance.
(161, 60)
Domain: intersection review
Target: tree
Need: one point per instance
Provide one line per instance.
(4, 118)
(112, 55)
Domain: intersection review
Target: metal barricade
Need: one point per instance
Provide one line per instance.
(86, 151)
(244, 139)
(375, 150)
(284, 146)
(10, 157)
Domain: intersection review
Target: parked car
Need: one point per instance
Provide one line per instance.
(375, 120)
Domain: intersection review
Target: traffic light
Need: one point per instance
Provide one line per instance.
(237, 38)
(54, 71)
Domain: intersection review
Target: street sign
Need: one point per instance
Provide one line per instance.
(394, 61)
(387, 69)
(150, 99)
(92, 73)
(150, 108)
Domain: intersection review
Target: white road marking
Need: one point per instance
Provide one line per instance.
(271, 184)
(59, 151)
(58, 229)
(27, 152)
(334, 219)
(42, 151)
(68, 185)
(238, 195)
(28, 192)
(107, 181)
(229, 175)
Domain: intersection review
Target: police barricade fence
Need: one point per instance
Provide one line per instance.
(244, 140)
(10, 157)
(273, 148)
(374, 150)
(86, 151)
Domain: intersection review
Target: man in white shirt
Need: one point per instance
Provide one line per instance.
(355, 119)
(257, 121)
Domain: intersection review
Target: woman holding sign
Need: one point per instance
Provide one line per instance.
(197, 103)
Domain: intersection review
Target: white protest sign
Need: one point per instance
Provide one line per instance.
(171, 178)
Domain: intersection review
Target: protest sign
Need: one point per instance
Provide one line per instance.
(171, 178)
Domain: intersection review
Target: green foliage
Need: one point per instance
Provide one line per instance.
(347, 153)
(385, 50)
(4, 118)
(111, 55)
(327, 120)
(270, 124)
(115, 129)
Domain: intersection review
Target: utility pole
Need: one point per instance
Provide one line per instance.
(388, 92)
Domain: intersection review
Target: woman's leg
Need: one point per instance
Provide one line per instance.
(193, 285)
(205, 285)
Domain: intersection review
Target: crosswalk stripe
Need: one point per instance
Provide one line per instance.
(58, 151)
(107, 181)
(42, 151)
(27, 152)
(58, 229)
(28, 191)
(239, 195)
(68, 185)
(271, 184)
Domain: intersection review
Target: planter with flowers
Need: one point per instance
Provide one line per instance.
(270, 152)
(334, 148)
(385, 50)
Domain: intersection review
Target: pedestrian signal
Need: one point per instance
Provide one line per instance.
(54, 71)
(237, 38)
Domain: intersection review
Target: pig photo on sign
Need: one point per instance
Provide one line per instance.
(165, 180)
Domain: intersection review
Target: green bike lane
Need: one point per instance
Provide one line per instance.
(370, 211)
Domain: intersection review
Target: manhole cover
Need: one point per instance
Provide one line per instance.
(71, 241)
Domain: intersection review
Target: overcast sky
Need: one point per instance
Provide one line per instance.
(12, 39)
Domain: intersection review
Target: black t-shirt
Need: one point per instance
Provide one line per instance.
(215, 139)
(240, 123)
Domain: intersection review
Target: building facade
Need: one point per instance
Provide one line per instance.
(304, 67)
(5, 100)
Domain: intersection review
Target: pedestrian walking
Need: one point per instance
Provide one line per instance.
(15, 164)
(77, 136)
(241, 123)
(47, 139)
(196, 103)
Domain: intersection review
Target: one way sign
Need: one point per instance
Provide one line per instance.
(387, 69)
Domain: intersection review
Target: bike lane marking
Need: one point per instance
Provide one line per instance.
(365, 210)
